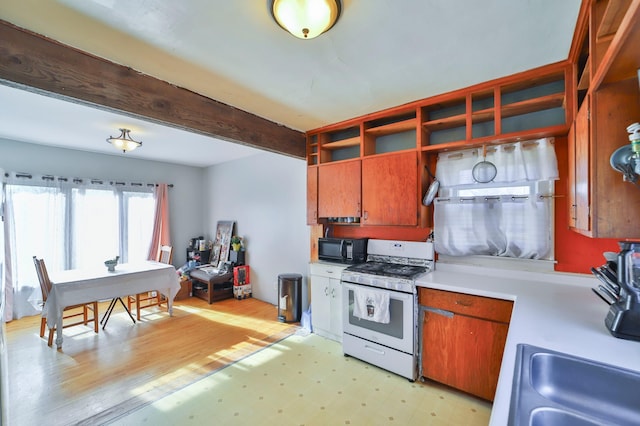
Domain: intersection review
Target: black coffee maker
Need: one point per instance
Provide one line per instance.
(623, 318)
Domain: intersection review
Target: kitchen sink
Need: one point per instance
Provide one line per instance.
(554, 388)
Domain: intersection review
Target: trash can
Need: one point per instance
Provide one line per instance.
(289, 300)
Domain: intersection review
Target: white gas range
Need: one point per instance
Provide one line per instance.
(380, 306)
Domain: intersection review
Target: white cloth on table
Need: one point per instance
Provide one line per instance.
(73, 287)
(372, 305)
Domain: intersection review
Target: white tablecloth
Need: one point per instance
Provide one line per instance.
(78, 286)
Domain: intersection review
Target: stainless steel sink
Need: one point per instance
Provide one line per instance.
(553, 388)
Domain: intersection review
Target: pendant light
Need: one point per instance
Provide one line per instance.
(306, 19)
(124, 141)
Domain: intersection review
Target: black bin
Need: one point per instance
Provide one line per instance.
(289, 300)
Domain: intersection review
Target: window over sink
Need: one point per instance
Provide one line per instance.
(509, 217)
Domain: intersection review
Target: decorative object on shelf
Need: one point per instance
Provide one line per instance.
(124, 141)
(221, 245)
(305, 19)
(433, 189)
(626, 159)
(111, 264)
(236, 243)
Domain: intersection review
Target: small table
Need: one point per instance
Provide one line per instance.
(218, 286)
(77, 286)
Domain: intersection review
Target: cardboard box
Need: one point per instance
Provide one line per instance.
(241, 275)
(242, 291)
(185, 289)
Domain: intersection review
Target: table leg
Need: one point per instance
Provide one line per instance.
(169, 303)
(59, 332)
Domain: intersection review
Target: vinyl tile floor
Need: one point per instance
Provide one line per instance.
(306, 380)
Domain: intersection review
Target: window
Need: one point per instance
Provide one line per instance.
(510, 217)
(71, 225)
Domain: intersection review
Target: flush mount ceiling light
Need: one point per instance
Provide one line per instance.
(306, 19)
(124, 141)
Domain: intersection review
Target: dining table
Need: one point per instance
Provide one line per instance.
(78, 286)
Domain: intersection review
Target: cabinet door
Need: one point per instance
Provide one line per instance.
(335, 297)
(312, 195)
(581, 168)
(463, 352)
(339, 189)
(321, 303)
(390, 189)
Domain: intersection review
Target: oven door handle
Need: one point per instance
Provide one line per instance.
(442, 312)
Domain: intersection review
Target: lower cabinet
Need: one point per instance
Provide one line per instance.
(463, 338)
(326, 300)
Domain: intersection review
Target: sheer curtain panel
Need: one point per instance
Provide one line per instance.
(72, 223)
(509, 217)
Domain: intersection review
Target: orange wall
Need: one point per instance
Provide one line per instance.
(574, 252)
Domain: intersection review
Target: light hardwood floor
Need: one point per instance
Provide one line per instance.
(95, 377)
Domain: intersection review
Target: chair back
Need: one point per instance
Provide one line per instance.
(43, 277)
(165, 254)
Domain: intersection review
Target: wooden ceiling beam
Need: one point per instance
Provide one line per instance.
(36, 63)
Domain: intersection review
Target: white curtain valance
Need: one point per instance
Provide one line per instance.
(515, 162)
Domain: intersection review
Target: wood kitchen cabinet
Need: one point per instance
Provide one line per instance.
(339, 189)
(579, 143)
(312, 195)
(463, 338)
(390, 189)
(605, 52)
(326, 300)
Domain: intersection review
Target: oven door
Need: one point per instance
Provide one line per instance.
(397, 334)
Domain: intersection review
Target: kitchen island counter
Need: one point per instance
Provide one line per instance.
(556, 311)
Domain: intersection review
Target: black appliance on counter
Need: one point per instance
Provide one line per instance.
(343, 250)
(620, 288)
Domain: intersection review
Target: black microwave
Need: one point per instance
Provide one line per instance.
(343, 250)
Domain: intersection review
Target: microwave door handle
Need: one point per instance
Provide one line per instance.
(343, 250)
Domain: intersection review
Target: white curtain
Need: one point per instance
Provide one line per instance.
(498, 218)
(70, 223)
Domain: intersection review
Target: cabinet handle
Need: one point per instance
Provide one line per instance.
(329, 272)
(326, 291)
(333, 293)
(442, 312)
(365, 215)
(463, 303)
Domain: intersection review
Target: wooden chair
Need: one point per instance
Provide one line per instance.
(151, 298)
(45, 287)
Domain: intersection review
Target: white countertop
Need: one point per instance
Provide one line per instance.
(556, 311)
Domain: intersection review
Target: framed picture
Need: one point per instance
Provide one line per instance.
(222, 242)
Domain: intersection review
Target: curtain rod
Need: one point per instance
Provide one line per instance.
(79, 180)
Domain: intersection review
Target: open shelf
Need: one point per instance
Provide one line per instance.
(397, 127)
(343, 143)
(612, 18)
(533, 105)
(446, 123)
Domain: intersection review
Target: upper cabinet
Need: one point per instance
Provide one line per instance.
(526, 105)
(339, 189)
(390, 148)
(607, 100)
(390, 189)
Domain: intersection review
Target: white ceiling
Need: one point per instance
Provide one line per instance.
(380, 54)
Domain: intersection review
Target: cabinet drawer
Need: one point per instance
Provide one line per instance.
(467, 304)
(326, 270)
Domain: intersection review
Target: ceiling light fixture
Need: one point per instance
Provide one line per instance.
(124, 141)
(306, 19)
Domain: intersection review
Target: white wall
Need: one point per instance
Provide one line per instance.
(266, 195)
(186, 200)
